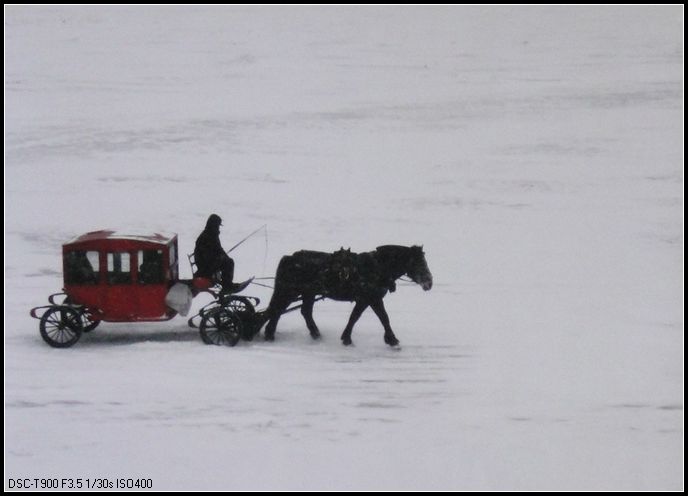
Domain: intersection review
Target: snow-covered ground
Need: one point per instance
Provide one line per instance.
(536, 152)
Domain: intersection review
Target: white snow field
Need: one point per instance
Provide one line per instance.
(535, 152)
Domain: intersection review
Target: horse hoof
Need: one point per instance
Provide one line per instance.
(347, 341)
(315, 335)
(269, 337)
(392, 341)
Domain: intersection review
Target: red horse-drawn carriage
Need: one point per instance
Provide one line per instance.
(118, 277)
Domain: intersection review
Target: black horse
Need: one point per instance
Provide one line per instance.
(345, 276)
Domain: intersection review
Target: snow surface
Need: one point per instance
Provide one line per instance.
(536, 152)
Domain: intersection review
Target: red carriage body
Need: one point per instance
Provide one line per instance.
(121, 277)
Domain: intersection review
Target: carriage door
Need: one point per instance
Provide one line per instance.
(151, 284)
(120, 301)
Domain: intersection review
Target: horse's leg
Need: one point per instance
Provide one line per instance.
(355, 315)
(275, 311)
(307, 312)
(379, 308)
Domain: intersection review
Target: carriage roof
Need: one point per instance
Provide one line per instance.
(115, 239)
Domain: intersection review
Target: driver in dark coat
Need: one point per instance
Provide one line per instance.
(210, 257)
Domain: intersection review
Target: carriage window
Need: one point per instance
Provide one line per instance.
(81, 267)
(119, 268)
(173, 255)
(151, 267)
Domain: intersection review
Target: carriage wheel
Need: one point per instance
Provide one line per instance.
(237, 304)
(220, 327)
(242, 308)
(87, 323)
(61, 327)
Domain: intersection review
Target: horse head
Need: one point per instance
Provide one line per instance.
(417, 268)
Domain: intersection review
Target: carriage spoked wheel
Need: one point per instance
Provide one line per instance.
(244, 310)
(237, 303)
(61, 326)
(220, 327)
(87, 322)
